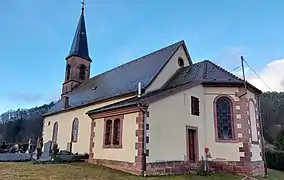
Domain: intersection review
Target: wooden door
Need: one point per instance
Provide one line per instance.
(191, 134)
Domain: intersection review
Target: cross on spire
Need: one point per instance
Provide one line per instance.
(83, 5)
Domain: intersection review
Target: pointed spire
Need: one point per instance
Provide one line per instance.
(80, 44)
(83, 6)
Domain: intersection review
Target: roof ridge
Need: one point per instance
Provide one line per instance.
(224, 70)
(168, 59)
(136, 59)
(204, 69)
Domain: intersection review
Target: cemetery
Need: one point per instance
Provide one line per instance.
(32, 151)
(35, 159)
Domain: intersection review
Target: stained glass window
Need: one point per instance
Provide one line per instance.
(116, 132)
(224, 118)
(75, 126)
(55, 131)
(108, 132)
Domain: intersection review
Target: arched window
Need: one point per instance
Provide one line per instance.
(68, 69)
(55, 132)
(108, 132)
(252, 117)
(180, 62)
(116, 132)
(82, 72)
(74, 133)
(224, 118)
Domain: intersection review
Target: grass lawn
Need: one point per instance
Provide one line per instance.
(82, 171)
(274, 175)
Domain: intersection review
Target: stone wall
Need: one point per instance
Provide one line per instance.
(238, 167)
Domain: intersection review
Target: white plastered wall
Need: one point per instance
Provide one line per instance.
(128, 152)
(169, 117)
(219, 151)
(169, 70)
(65, 121)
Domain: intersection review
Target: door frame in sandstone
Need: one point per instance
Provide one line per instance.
(192, 137)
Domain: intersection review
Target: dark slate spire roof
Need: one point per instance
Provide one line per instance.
(80, 44)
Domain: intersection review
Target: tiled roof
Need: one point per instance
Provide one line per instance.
(121, 104)
(198, 73)
(120, 80)
(205, 72)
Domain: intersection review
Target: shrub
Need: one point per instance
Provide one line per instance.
(85, 156)
(279, 142)
(55, 150)
(275, 159)
(200, 168)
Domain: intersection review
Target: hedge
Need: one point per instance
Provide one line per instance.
(275, 159)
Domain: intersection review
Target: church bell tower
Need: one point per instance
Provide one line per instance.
(78, 61)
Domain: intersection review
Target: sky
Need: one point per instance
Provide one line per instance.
(36, 36)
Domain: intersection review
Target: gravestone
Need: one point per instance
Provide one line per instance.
(16, 146)
(14, 157)
(69, 146)
(34, 156)
(29, 147)
(39, 147)
(46, 151)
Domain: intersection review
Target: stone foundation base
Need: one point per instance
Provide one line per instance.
(236, 167)
(178, 167)
(132, 168)
(152, 169)
(169, 167)
(258, 168)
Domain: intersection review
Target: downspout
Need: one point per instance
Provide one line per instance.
(261, 135)
(144, 121)
(205, 119)
(144, 155)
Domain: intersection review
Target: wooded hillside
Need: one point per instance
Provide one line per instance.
(272, 110)
(22, 124)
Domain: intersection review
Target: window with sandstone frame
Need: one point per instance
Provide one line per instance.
(195, 106)
(113, 132)
(108, 131)
(116, 132)
(75, 128)
(224, 120)
(253, 122)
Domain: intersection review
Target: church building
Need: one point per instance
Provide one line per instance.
(156, 114)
